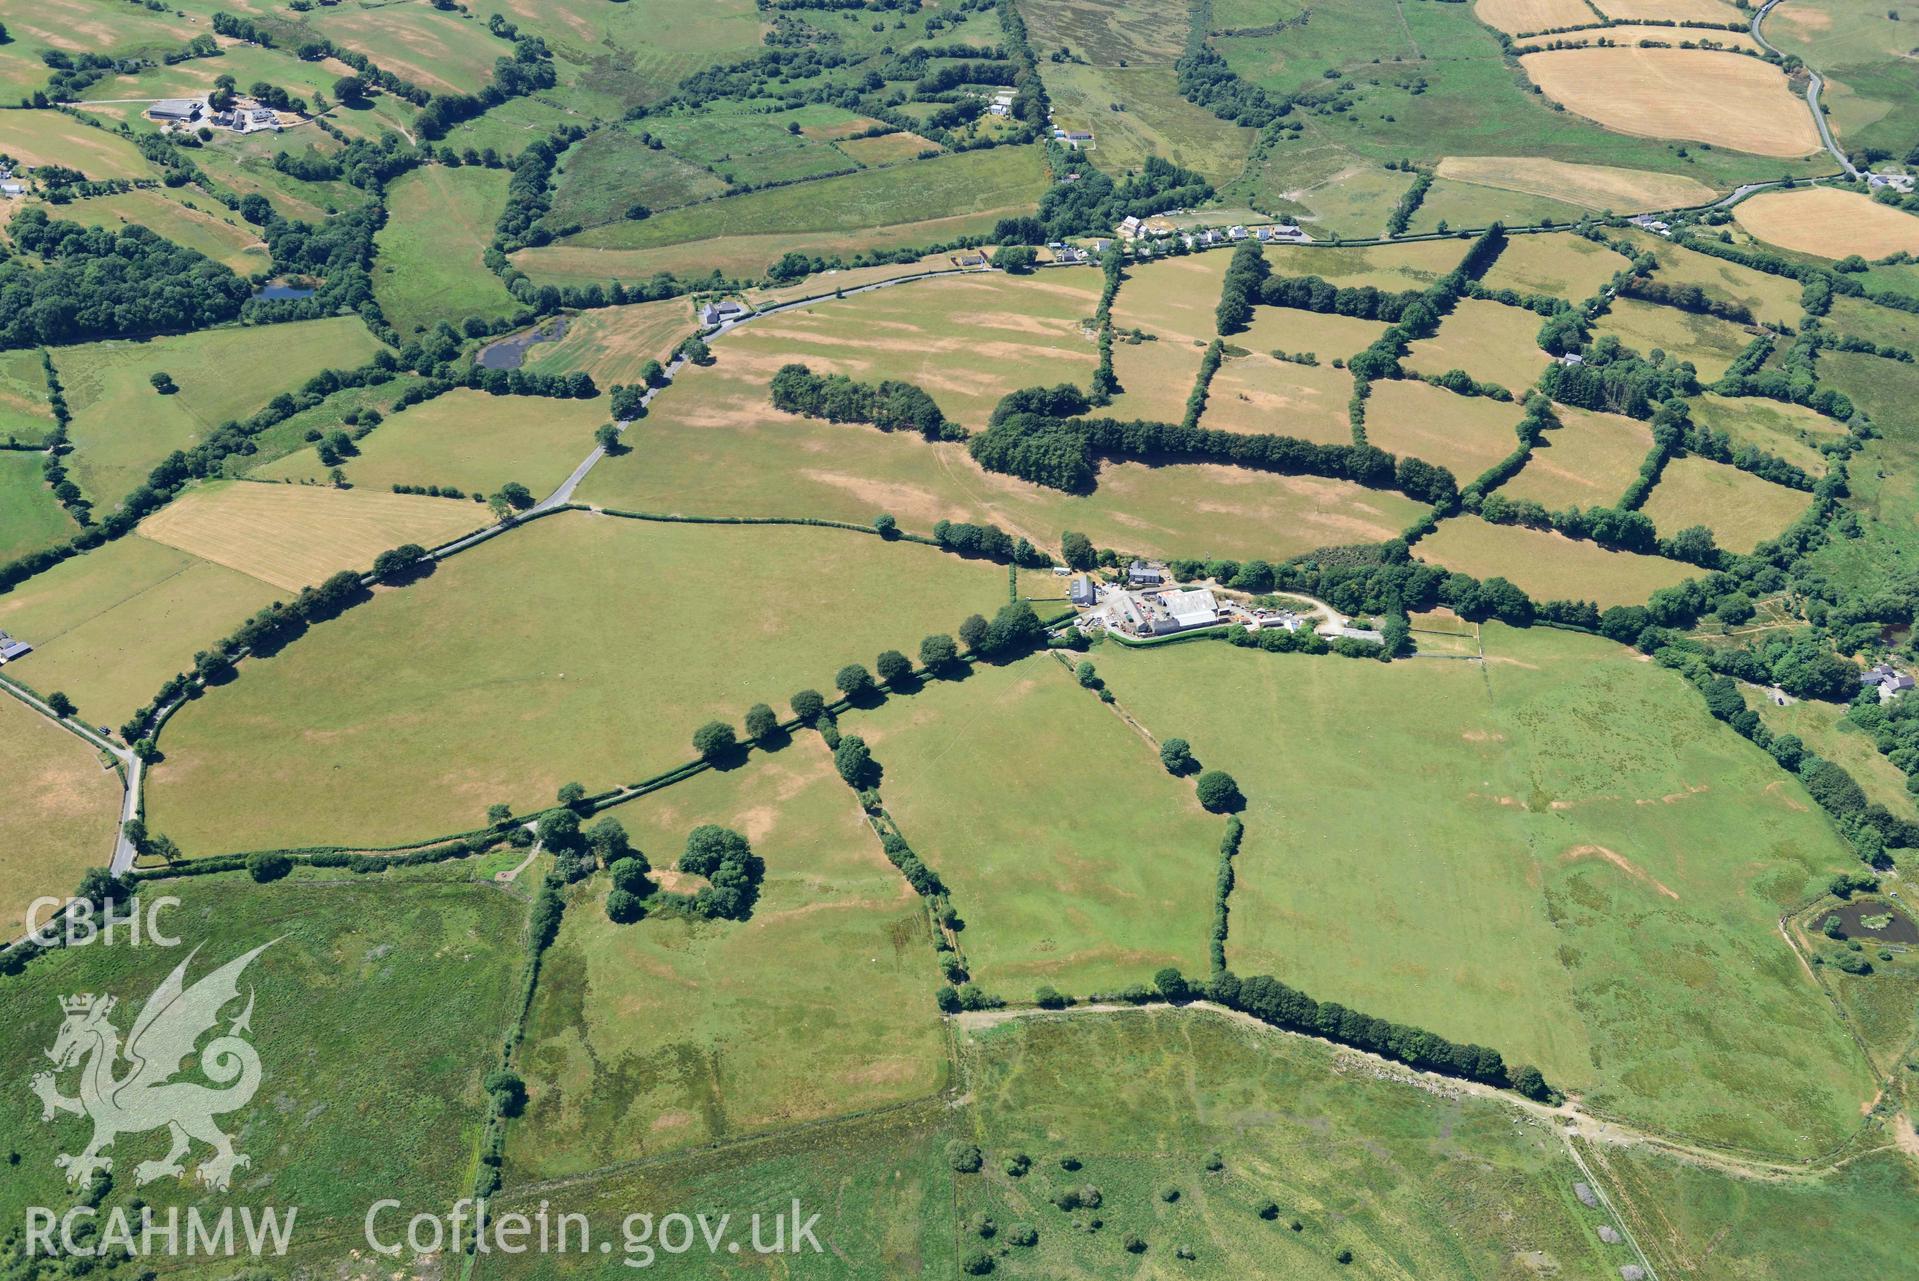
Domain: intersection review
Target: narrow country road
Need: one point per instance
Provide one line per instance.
(1814, 85)
(123, 851)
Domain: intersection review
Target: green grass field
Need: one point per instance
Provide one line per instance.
(1549, 566)
(59, 813)
(1784, 430)
(110, 626)
(185, 220)
(1622, 856)
(1491, 341)
(1561, 264)
(1865, 51)
(1450, 205)
(469, 440)
(753, 149)
(1707, 341)
(1882, 480)
(1824, 729)
(667, 1033)
(49, 138)
(439, 222)
(25, 415)
(377, 1008)
(1073, 857)
(594, 673)
(1293, 331)
(1857, 318)
(122, 428)
(713, 445)
(611, 169)
(1465, 434)
(1773, 300)
(440, 51)
(1587, 461)
(30, 516)
(1740, 509)
(1394, 267)
(1136, 111)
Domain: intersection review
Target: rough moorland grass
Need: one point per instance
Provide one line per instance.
(1824, 729)
(1411, 1184)
(59, 811)
(1773, 300)
(1549, 566)
(1883, 481)
(223, 237)
(25, 415)
(1257, 393)
(1157, 121)
(1857, 318)
(750, 149)
(470, 440)
(30, 516)
(965, 340)
(1073, 857)
(620, 55)
(290, 536)
(975, 182)
(1561, 264)
(1489, 340)
(614, 343)
(1623, 856)
(439, 223)
(611, 170)
(377, 1009)
(1785, 430)
(1587, 461)
(673, 1032)
(622, 638)
(713, 445)
(1707, 341)
(110, 626)
(122, 428)
(1740, 509)
(1465, 434)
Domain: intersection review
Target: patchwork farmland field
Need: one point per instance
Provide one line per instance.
(1707, 341)
(1546, 565)
(1741, 509)
(1596, 187)
(1588, 461)
(25, 414)
(438, 226)
(1464, 434)
(1829, 223)
(1489, 340)
(1784, 430)
(1772, 300)
(1561, 264)
(30, 516)
(59, 813)
(1729, 101)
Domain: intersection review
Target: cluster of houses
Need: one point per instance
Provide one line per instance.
(244, 116)
(1658, 226)
(1156, 235)
(11, 649)
(1899, 182)
(1890, 683)
(1146, 607)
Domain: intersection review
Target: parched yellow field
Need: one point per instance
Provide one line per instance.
(37, 138)
(965, 340)
(1464, 434)
(58, 813)
(1517, 17)
(1741, 510)
(295, 536)
(1560, 263)
(1596, 187)
(827, 282)
(435, 50)
(1257, 394)
(1787, 431)
(1393, 267)
(1726, 99)
(1489, 340)
(1677, 10)
(1155, 376)
(1173, 297)
(1293, 331)
(1707, 341)
(1587, 461)
(1547, 565)
(614, 342)
(1829, 223)
(1631, 34)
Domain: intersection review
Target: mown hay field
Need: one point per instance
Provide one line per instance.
(1785, 430)
(965, 340)
(30, 516)
(59, 813)
(439, 224)
(1519, 17)
(122, 428)
(1675, 10)
(35, 138)
(1740, 509)
(1624, 856)
(1628, 33)
(614, 343)
(1587, 461)
(1547, 565)
(1489, 340)
(714, 445)
(1711, 344)
(1559, 263)
(606, 695)
(1000, 783)
(1464, 434)
(378, 1005)
(1726, 99)
(294, 536)
(439, 51)
(1156, 374)
(108, 628)
(1257, 394)
(1829, 223)
(466, 439)
(668, 1033)
(1595, 187)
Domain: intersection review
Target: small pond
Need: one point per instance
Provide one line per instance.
(510, 353)
(1874, 920)
(279, 289)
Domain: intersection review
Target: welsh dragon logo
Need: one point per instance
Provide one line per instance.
(143, 1096)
